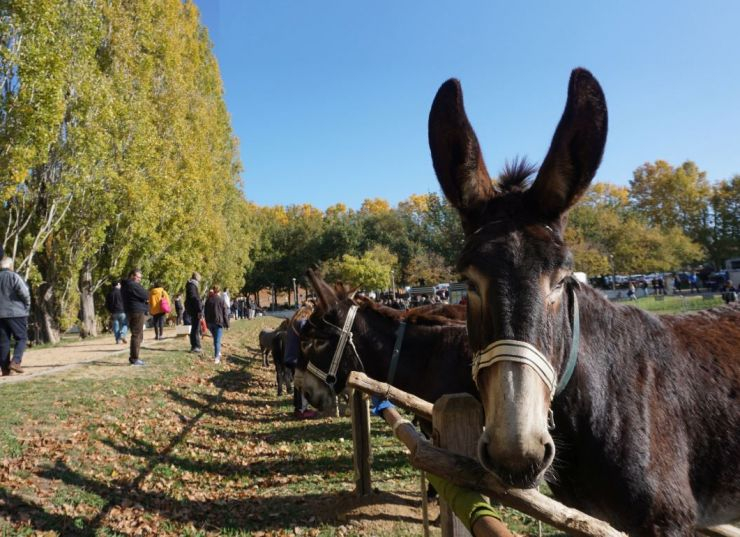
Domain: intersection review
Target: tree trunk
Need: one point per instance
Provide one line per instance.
(44, 312)
(88, 323)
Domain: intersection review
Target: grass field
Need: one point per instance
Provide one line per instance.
(184, 447)
(675, 303)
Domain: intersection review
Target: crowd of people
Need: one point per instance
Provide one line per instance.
(407, 301)
(129, 304)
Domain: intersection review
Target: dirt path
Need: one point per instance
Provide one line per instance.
(50, 360)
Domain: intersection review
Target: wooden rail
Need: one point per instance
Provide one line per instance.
(467, 472)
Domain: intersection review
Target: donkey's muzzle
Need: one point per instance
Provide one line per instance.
(520, 468)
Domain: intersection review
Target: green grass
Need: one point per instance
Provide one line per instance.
(183, 447)
(673, 304)
(9, 445)
(70, 495)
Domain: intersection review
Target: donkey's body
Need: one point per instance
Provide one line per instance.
(648, 427)
(283, 372)
(265, 340)
(434, 355)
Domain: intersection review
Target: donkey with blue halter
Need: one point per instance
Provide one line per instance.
(644, 410)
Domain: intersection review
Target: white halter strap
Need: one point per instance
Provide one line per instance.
(331, 376)
(511, 350)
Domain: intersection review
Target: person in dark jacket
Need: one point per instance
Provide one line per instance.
(15, 304)
(136, 305)
(217, 318)
(194, 307)
(179, 308)
(114, 305)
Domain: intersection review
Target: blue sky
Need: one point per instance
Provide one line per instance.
(330, 98)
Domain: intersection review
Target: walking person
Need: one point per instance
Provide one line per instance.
(631, 294)
(729, 293)
(136, 305)
(178, 309)
(217, 318)
(159, 307)
(227, 299)
(15, 305)
(694, 282)
(114, 305)
(194, 307)
(676, 285)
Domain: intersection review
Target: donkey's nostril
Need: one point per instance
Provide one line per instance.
(549, 454)
(483, 456)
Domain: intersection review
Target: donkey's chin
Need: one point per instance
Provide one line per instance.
(526, 476)
(319, 399)
(317, 393)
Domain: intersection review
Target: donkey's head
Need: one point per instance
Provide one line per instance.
(324, 364)
(518, 268)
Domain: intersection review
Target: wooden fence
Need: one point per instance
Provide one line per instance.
(457, 421)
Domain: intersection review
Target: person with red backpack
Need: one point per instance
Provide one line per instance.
(159, 307)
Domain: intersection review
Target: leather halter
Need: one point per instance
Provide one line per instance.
(330, 378)
(396, 352)
(511, 350)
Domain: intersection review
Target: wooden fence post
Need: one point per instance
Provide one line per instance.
(361, 443)
(458, 421)
(467, 472)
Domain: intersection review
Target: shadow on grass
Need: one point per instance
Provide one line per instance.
(14, 508)
(246, 514)
(309, 431)
(254, 513)
(232, 380)
(250, 513)
(206, 407)
(159, 349)
(242, 361)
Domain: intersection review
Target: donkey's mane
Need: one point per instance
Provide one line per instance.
(429, 315)
(514, 176)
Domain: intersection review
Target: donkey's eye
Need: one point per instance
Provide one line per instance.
(472, 287)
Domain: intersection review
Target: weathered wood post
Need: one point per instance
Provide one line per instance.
(361, 443)
(467, 472)
(457, 420)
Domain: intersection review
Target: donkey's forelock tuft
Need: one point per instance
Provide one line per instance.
(515, 175)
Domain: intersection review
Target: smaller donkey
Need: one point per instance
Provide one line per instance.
(265, 339)
(283, 373)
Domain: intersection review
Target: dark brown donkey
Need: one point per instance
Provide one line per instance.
(647, 427)
(433, 358)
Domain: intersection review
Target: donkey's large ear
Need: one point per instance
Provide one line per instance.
(325, 292)
(456, 154)
(576, 148)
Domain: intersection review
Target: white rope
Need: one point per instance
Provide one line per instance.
(511, 350)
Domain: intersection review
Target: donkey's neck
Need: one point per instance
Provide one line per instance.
(611, 337)
(432, 360)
